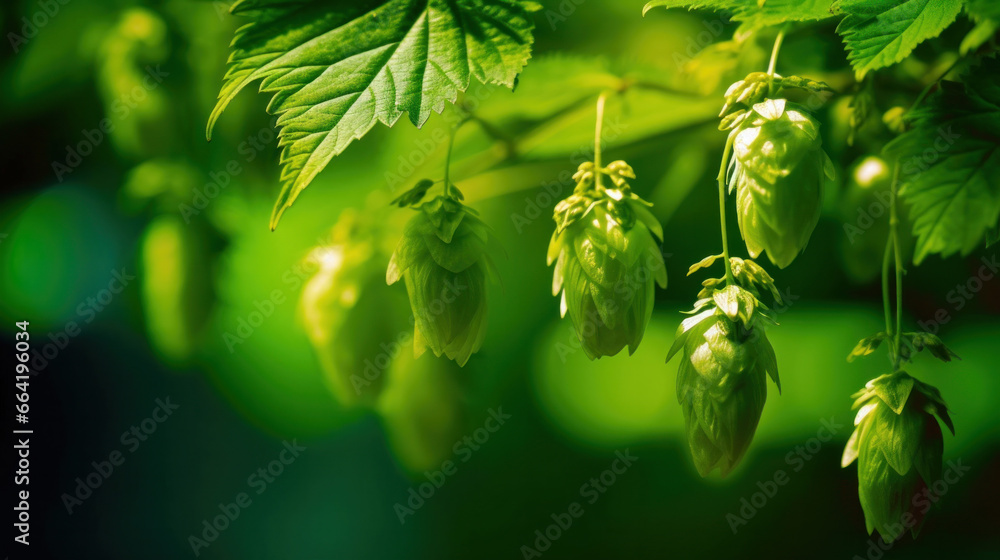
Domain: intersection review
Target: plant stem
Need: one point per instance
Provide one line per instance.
(597, 139)
(722, 208)
(927, 89)
(447, 160)
(885, 287)
(893, 252)
(774, 52)
(898, 257)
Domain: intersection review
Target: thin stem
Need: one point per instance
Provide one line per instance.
(886, 258)
(774, 52)
(927, 89)
(722, 209)
(898, 256)
(447, 159)
(597, 139)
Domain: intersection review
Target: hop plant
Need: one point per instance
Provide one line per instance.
(606, 260)
(725, 357)
(349, 313)
(898, 445)
(443, 258)
(778, 169)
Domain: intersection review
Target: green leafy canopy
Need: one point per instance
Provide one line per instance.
(754, 14)
(950, 164)
(335, 69)
(880, 33)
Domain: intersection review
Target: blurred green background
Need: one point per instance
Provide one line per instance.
(109, 176)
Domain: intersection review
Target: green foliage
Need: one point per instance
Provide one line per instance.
(950, 164)
(334, 73)
(754, 14)
(881, 33)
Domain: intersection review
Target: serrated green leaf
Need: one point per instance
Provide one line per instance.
(335, 71)
(880, 33)
(950, 164)
(754, 14)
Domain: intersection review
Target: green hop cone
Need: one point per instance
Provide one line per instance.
(606, 261)
(443, 258)
(898, 445)
(721, 380)
(778, 170)
(354, 321)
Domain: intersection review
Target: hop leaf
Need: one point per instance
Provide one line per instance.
(778, 169)
(336, 70)
(443, 258)
(606, 261)
(721, 383)
(898, 445)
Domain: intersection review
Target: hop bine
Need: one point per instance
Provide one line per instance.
(898, 445)
(444, 260)
(725, 359)
(778, 170)
(606, 260)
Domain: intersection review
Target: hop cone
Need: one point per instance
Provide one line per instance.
(778, 169)
(725, 357)
(351, 317)
(444, 261)
(898, 445)
(606, 262)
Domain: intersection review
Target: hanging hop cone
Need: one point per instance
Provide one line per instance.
(898, 445)
(721, 386)
(444, 261)
(606, 261)
(778, 169)
(354, 321)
